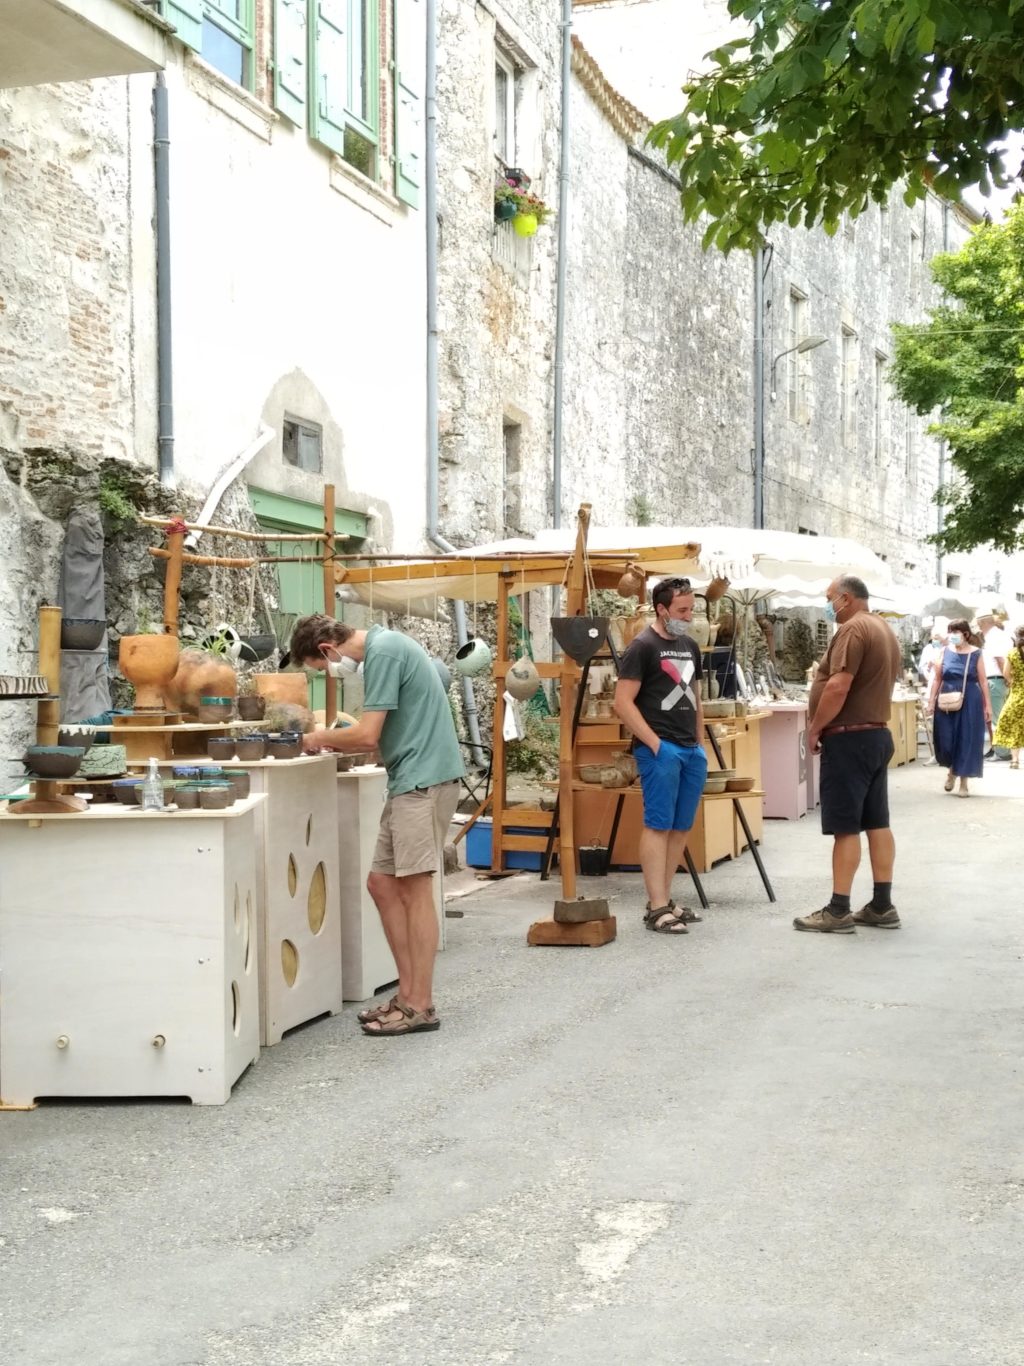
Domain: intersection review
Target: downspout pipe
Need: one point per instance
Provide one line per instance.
(434, 536)
(759, 387)
(562, 268)
(940, 517)
(164, 348)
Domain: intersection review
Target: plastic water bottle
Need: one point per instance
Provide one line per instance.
(152, 789)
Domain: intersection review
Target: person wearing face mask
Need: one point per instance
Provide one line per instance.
(658, 698)
(960, 735)
(931, 655)
(406, 715)
(849, 710)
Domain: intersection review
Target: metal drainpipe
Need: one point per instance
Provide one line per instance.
(562, 266)
(164, 351)
(940, 518)
(759, 387)
(433, 457)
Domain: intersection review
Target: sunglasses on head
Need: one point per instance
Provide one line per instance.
(682, 584)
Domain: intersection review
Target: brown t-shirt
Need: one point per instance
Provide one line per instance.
(865, 647)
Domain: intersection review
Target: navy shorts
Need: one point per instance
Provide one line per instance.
(672, 781)
(855, 781)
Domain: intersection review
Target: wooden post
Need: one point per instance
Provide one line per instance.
(569, 682)
(45, 799)
(330, 601)
(172, 581)
(498, 772)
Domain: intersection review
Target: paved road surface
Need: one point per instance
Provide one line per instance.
(745, 1146)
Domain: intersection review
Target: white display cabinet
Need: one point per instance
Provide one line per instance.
(128, 948)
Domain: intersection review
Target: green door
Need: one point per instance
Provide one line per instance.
(301, 586)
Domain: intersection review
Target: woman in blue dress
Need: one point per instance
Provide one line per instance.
(960, 736)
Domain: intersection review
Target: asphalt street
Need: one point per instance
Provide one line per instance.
(745, 1145)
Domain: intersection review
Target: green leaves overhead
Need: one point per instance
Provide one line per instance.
(827, 104)
(967, 365)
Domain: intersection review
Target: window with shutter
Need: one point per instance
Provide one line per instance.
(221, 31)
(410, 44)
(187, 18)
(329, 73)
(291, 58)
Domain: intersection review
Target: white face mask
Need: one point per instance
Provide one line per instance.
(342, 667)
(675, 628)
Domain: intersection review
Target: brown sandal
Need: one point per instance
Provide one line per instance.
(684, 913)
(377, 1012)
(663, 920)
(412, 1022)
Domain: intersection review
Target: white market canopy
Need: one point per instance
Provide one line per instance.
(757, 563)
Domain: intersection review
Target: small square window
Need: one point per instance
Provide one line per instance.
(302, 445)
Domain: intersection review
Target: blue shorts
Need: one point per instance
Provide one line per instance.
(672, 781)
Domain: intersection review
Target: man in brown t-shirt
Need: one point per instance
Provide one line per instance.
(849, 711)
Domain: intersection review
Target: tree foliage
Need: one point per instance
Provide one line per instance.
(827, 104)
(967, 361)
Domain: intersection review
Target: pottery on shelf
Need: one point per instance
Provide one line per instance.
(168, 785)
(284, 746)
(53, 761)
(76, 735)
(220, 747)
(251, 747)
(199, 675)
(283, 687)
(215, 711)
(124, 790)
(81, 633)
(216, 796)
(738, 784)
(240, 781)
(186, 796)
(149, 663)
(252, 708)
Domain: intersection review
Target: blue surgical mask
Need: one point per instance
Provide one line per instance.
(830, 611)
(956, 639)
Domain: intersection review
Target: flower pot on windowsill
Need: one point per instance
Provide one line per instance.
(525, 224)
(504, 209)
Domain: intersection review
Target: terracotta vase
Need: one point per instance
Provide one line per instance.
(715, 589)
(284, 687)
(633, 583)
(149, 663)
(199, 675)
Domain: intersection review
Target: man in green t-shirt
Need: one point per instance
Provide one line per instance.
(407, 717)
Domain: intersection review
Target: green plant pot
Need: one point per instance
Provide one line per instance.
(504, 209)
(525, 224)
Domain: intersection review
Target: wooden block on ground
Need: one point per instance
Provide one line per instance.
(582, 910)
(591, 934)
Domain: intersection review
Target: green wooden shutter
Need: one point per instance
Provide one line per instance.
(410, 63)
(291, 59)
(329, 68)
(187, 18)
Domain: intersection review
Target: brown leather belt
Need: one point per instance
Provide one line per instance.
(864, 725)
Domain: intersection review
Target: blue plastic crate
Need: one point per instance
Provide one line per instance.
(478, 847)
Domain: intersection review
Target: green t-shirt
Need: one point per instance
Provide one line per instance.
(418, 743)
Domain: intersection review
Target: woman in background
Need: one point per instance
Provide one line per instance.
(1010, 729)
(960, 735)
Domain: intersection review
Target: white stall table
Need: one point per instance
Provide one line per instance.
(128, 950)
(367, 962)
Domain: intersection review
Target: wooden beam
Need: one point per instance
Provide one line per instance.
(172, 581)
(498, 770)
(330, 601)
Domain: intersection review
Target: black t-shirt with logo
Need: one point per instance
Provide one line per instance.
(669, 672)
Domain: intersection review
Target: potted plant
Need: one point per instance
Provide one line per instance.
(514, 202)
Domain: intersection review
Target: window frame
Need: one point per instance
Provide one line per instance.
(368, 131)
(797, 365)
(242, 31)
(504, 60)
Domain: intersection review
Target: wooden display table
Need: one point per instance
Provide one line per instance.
(367, 962)
(128, 943)
(903, 729)
(300, 951)
(784, 761)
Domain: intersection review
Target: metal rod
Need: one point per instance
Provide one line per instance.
(164, 332)
(562, 268)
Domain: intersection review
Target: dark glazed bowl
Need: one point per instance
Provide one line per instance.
(53, 761)
(81, 633)
(284, 746)
(251, 747)
(124, 790)
(220, 747)
(240, 781)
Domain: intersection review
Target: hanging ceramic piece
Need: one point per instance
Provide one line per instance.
(699, 630)
(580, 637)
(633, 584)
(522, 679)
(443, 672)
(715, 589)
(473, 657)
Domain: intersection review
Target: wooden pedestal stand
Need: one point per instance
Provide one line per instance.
(46, 800)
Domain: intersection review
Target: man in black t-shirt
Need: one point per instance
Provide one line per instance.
(658, 698)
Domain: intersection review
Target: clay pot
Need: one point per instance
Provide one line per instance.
(473, 658)
(633, 584)
(199, 675)
(284, 746)
(522, 679)
(252, 708)
(285, 687)
(715, 589)
(626, 765)
(169, 787)
(81, 633)
(251, 748)
(73, 736)
(150, 663)
(124, 790)
(215, 711)
(216, 796)
(220, 747)
(612, 776)
(186, 797)
(240, 781)
(53, 761)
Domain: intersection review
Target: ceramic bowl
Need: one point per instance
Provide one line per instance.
(251, 748)
(284, 746)
(715, 785)
(216, 796)
(220, 747)
(53, 761)
(726, 773)
(81, 633)
(240, 781)
(169, 786)
(213, 711)
(186, 796)
(124, 790)
(739, 784)
(591, 773)
(73, 736)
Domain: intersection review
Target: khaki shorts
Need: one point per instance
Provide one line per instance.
(413, 827)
